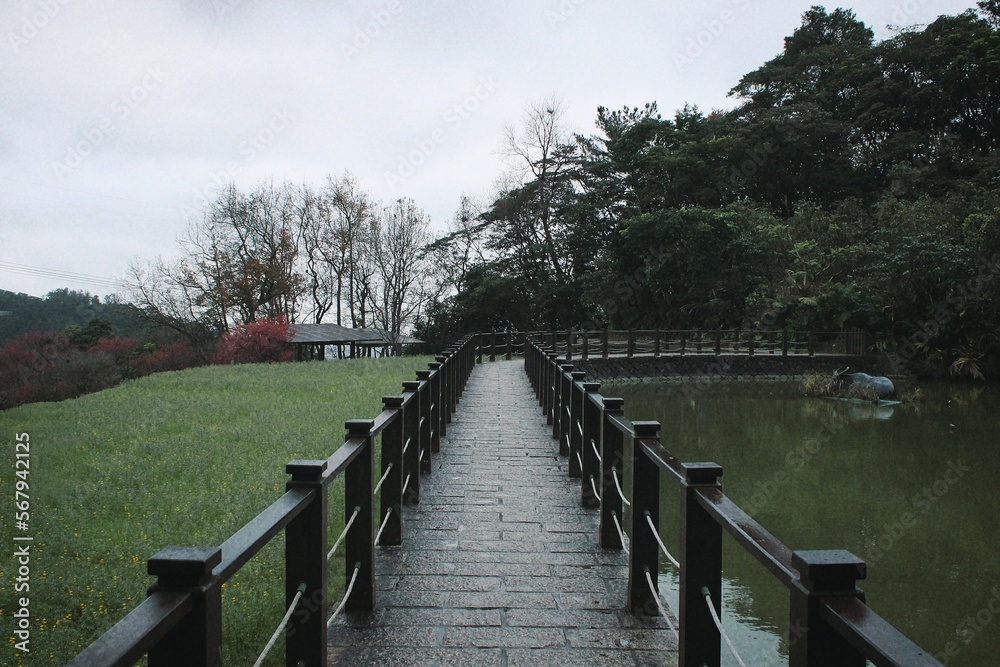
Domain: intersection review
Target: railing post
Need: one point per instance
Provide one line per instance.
(560, 422)
(359, 544)
(604, 343)
(752, 342)
(612, 455)
(644, 552)
(552, 388)
(412, 434)
(305, 564)
(656, 343)
(493, 346)
(445, 364)
(585, 352)
(426, 423)
(391, 498)
(544, 375)
(196, 640)
(592, 419)
(510, 345)
(701, 568)
(784, 342)
(575, 423)
(437, 406)
(812, 641)
(569, 345)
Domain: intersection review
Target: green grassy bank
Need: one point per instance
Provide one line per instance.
(183, 458)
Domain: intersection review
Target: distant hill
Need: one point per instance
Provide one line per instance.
(61, 309)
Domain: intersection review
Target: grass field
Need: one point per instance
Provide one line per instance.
(183, 458)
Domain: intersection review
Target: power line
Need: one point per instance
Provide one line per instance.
(62, 275)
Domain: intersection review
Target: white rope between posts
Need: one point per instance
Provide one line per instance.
(666, 553)
(593, 444)
(579, 460)
(407, 445)
(718, 624)
(343, 534)
(347, 594)
(406, 485)
(594, 487)
(378, 486)
(621, 533)
(385, 521)
(659, 604)
(614, 475)
(281, 626)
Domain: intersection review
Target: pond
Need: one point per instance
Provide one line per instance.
(913, 489)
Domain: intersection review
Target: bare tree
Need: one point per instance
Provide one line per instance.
(461, 248)
(398, 246)
(540, 151)
(237, 264)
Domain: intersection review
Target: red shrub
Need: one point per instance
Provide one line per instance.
(173, 357)
(255, 342)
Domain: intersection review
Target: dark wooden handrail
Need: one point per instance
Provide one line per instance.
(132, 637)
(756, 540)
(871, 634)
(251, 538)
(829, 623)
(180, 622)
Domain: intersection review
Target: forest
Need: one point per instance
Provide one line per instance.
(855, 183)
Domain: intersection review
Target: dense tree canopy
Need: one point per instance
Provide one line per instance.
(855, 183)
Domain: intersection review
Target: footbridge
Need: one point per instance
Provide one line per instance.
(502, 511)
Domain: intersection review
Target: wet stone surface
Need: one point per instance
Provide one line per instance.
(500, 565)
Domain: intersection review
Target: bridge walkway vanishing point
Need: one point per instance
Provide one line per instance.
(500, 564)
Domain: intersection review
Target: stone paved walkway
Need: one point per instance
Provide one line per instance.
(500, 564)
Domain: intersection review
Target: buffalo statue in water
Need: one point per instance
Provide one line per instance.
(862, 385)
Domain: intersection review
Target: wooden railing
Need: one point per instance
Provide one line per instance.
(829, 623)
(180, 622)
(656, 343)
(606, 343)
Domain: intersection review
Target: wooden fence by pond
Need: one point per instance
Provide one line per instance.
(661, 342)
(829, 623)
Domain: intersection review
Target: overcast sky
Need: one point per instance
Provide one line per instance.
(118, 118)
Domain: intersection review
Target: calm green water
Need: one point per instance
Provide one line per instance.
(913, 489)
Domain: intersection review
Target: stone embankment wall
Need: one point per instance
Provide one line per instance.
(724, 366)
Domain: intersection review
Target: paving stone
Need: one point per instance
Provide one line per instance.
(500, 564)
(442, 617)
(638, 638)
(568, 657)
(507, 600)
(416, 657)
(504, 637)
(562, 618)
(473, 584)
